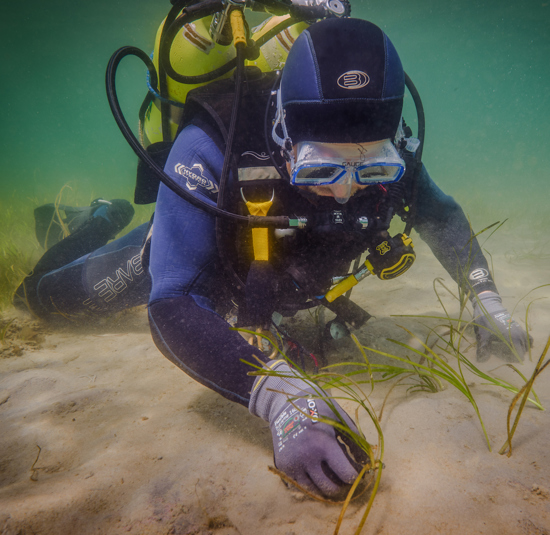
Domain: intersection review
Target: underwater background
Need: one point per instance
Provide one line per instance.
(482, 70)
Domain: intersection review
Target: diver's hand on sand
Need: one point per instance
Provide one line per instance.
(309, 451)
(493, 325)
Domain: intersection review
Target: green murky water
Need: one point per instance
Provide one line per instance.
(482, 70)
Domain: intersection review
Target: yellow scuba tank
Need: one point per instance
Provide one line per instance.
(194, 52)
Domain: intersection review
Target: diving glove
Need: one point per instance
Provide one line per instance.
(494, 325)
(314, 454)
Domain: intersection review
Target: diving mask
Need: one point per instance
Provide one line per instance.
(321, 164)
(339, 166)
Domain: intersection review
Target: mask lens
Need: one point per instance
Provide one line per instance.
(316, 174)
(380, 173)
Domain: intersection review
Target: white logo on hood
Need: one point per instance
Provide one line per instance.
(353, 80)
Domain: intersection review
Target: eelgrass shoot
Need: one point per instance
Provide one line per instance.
(435, 370)
(455, 343)
(434, 361)
(523, 394)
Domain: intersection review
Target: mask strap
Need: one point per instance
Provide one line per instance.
(285, 143)
(399, 135)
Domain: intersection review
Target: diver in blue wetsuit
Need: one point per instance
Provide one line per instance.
(344, 158)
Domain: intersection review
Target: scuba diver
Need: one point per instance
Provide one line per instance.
(339, 165)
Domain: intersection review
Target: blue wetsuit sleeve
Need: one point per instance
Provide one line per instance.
(442, 224)
(184, 240)
(187, 280)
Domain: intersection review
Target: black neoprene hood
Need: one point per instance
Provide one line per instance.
(343, 82)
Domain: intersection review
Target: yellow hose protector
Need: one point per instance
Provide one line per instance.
(237, 27)
(341, 288)
(260, 236)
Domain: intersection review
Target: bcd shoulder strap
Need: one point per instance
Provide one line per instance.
(217, 100)
(209, 107)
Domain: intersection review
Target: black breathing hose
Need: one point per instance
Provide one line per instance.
(110, 82)
(228, 156)
(134, 143)
(267, 133)
(418, 154)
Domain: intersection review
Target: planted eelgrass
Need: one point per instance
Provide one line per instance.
(523, 394)
(429, 375)
(432, 367)
(455, 343)
(433, 364)
(348, 391)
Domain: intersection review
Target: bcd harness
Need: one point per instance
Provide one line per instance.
(287, 270)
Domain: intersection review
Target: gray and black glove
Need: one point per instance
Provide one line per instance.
(493, 323)
(311, 452)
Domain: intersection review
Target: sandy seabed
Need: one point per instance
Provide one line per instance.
(101, 434)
